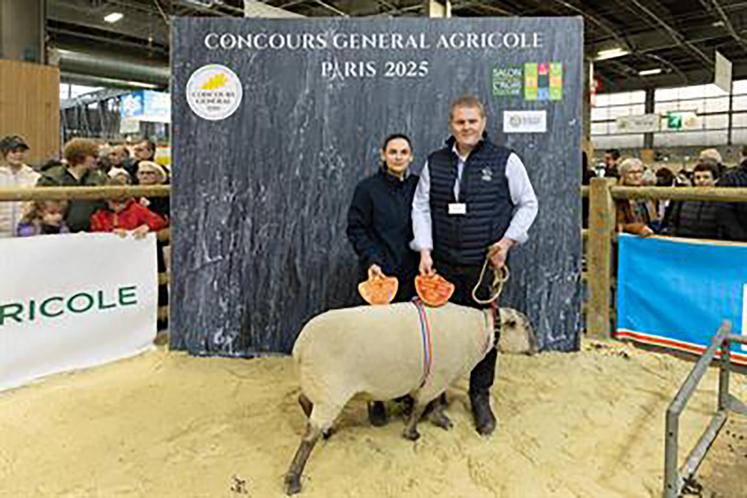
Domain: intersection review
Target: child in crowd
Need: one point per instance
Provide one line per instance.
(121, 174)
(43, 218)
(125, 214)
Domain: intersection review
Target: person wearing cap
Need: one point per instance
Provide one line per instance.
(80, 171)
(713, 155)
(14, 173)
(150, 173)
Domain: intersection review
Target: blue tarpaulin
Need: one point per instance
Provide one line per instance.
(675, 292)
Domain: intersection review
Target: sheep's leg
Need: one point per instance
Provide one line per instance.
(437, 416)
(306, 404)
(411, 430)
(293, 477)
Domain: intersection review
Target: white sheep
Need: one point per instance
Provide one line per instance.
(517, 335)
(379, 351)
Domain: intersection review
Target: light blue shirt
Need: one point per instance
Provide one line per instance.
(520, 189)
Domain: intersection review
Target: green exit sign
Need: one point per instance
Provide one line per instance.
(674, 121)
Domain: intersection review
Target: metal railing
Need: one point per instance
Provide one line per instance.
(96, 193)
(675, 479)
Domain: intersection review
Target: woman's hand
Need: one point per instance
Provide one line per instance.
(374, 271)
(121, 232)
(646, 231)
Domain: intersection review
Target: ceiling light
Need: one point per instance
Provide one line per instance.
(142, 85)
(611, 53)
(113, 17)
(649, 72)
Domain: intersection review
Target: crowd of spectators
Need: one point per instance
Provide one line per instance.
(85, 163)
(693, 219)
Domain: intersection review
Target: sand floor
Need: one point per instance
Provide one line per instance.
(587, 424)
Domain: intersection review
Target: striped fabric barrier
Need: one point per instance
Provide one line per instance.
(674, 293)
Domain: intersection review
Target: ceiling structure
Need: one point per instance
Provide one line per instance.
(678, 37)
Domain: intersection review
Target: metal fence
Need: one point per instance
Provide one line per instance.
(675, 479)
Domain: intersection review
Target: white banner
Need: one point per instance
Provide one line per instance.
(74, 301)
(524, 121)
(640, 123)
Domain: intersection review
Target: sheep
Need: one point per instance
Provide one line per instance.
(379, 351)
(517, 335)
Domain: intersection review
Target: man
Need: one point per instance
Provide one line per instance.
(733, 215)
(14, 172)
(472, 195)
(611, 156)
(695, 219)
(145, 150)
(80, 170)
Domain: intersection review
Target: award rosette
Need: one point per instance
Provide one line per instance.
(433, 290)
(378, 290)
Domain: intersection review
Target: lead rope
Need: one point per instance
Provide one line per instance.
(500, 277)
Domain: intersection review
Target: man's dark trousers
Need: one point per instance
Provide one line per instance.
(464, 279)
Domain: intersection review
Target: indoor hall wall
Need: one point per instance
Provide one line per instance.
(30, 107)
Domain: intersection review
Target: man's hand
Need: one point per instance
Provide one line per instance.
(426, 263)
(498, 253)
(375, 271)
(140, 232)
(121, 232)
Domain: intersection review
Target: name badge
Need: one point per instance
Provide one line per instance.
(457, 208)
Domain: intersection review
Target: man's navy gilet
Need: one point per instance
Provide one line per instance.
(464, 239)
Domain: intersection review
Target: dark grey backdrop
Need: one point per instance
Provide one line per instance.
(260, 198)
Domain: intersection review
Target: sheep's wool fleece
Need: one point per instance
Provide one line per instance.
(378, 350)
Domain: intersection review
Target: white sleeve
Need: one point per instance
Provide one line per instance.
(523, 198)
(421, 213)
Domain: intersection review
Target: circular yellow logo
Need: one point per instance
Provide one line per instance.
(214, 92)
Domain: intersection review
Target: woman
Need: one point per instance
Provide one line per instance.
(380, 227)
(14, 173)
(150, 173)
(379, 223)
(636, 215)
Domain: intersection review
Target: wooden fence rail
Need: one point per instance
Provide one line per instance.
(598, 238)
(96, 193)
(82, 193)
(602, 194)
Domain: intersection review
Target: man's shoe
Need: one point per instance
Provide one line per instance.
(377, 413)
(483, 415)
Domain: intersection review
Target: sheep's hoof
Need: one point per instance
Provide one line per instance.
(328, 433)
(292, 484)
(439, 419)
(412, 435)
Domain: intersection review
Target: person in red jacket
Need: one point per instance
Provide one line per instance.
(126, 215)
